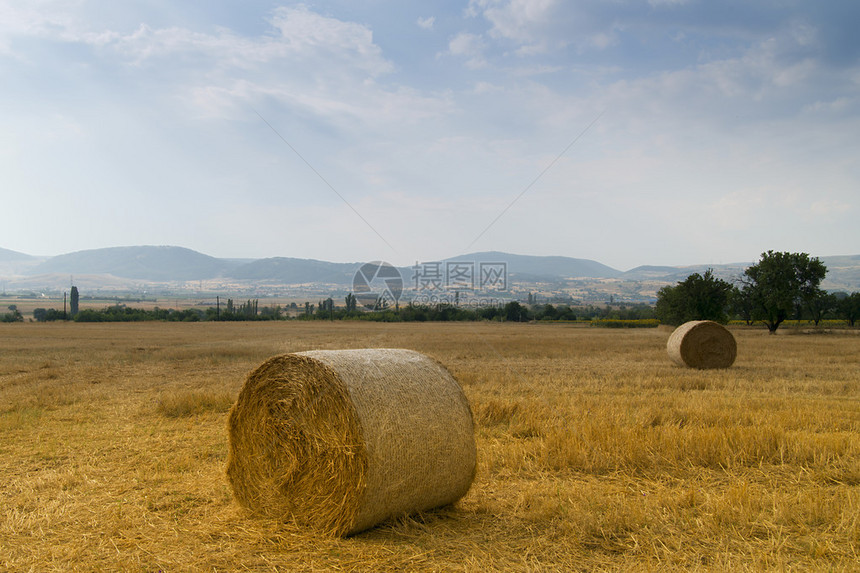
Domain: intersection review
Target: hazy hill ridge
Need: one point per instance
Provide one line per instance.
(161, 263)
(7, 255)
(176, 264)
(548, 267)
(288, 270)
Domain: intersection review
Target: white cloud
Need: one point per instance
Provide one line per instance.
(515, 19)
(830, 208)
(306, 33)
(323, 65)
(836, 106)
(426, 23)
(538, 27)
(301, 38)
(482, 88)
(470, 47)
(522, 21)
(299, 35)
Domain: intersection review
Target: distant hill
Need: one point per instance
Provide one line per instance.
(88, 284)
(651, 270)
(843, 273)
(15, 264)
(177, 264)
(7, 256)
(543, 267)
(727, 272)
(146, 263)
(287, 270)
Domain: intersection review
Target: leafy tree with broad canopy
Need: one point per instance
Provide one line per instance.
(849, 307)
(698, 297)
(821, 305)
(514, 311)
(779, 282)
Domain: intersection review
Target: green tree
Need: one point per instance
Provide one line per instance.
(566, 313)
(351, 303)
(13, 316)
(514, 312)
(73, 301)
(488, 313)
(325, 308)
(275, 312)
(547, 312)
(248, 309)
(53, 314)
(821, 305)
(698, 297)
(741, 304)
(849, 307)
(780, 281)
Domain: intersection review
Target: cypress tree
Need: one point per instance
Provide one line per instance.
(73, 301)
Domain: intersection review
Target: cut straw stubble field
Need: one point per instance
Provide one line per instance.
(595, 452)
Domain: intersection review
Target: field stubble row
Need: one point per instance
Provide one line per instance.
(595, 451)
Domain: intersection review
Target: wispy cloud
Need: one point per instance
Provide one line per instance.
(426, 23)
(469, 47)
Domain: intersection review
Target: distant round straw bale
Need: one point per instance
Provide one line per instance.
(702, 344)
(341, 440)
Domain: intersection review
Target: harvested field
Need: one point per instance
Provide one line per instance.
(594, 452)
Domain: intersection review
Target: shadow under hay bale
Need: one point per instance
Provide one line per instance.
(341, 440)
(702, 344)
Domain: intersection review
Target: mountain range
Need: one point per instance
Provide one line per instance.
(172, 264)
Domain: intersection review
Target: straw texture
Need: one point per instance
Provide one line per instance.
(341, 440)
(702, 344)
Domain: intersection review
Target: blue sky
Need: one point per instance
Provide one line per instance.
(648, 132)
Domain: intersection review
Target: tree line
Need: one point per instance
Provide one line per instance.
(779, 287)
(248, 310)
(512, 311)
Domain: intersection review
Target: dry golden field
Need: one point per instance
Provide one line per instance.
(595, 452)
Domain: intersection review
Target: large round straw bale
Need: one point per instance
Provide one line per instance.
(341, 440)
(702, 344)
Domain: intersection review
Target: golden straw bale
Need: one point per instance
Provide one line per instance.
(702, 344)
(341, 440)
